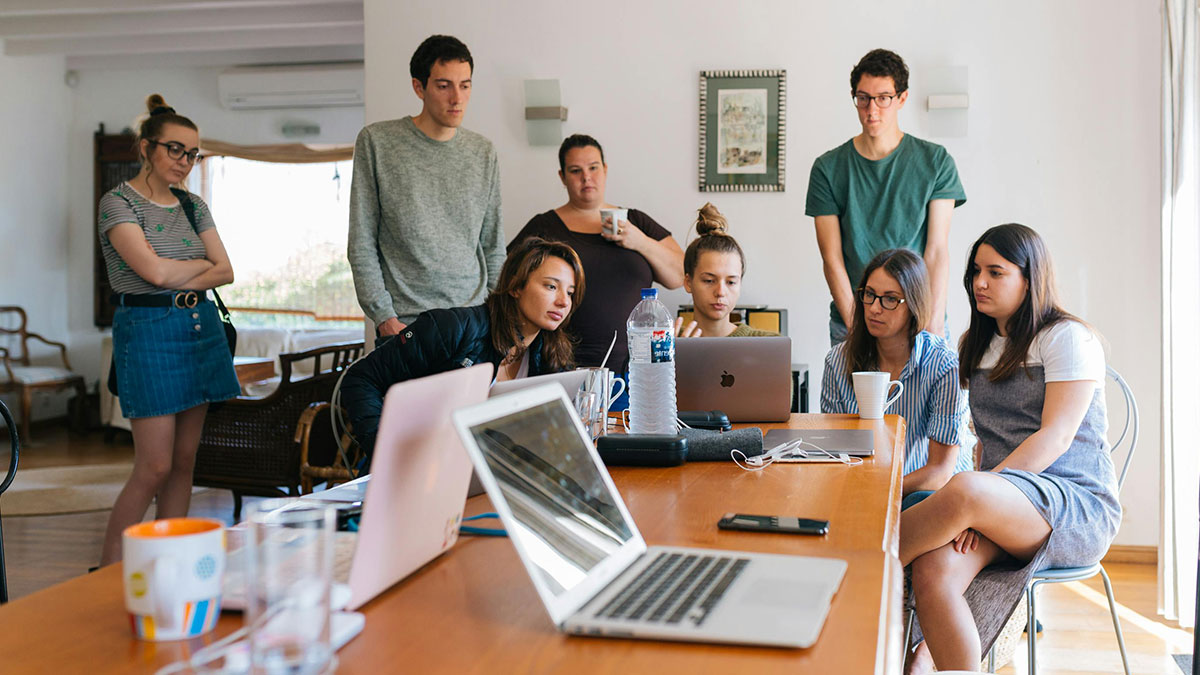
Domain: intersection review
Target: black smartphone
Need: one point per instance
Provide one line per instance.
(785, 524)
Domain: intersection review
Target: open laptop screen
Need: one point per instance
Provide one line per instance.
(567, 520)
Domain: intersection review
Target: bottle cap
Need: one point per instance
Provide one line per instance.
(649, 293)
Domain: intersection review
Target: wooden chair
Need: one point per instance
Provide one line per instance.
(249, 443)
(21, 376)
(322, 460)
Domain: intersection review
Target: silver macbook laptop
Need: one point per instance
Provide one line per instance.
(591, 567)
(748, 379)
(570, 380)
(852, 442)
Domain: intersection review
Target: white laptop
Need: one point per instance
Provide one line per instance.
(414, 498)
(570, 380)
(747, 378)
(590, 566)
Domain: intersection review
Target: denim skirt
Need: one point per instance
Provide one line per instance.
(170, 359)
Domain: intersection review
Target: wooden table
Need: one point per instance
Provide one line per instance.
(474, 609)
(253, 368)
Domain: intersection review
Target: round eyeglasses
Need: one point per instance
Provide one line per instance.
(886, 301)
(176, 150)
(883, 100)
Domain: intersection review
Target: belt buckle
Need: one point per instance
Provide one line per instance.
(187, 300)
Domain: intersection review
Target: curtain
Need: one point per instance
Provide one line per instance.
(1180, 477)
(284, 153)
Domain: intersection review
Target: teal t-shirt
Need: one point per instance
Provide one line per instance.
(881, 204)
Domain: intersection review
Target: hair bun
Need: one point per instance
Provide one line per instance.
(155, 105)
(710, 222)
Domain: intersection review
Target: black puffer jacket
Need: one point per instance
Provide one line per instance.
(438, 341)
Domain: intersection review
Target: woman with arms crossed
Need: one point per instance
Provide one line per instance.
(1046, 493)
(169, 348)
(891, 306)
(518, 329)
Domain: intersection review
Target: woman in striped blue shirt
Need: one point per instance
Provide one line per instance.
(890, 307)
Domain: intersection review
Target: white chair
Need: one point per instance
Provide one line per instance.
(1060, 575)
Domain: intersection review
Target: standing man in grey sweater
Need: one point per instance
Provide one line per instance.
(425, 227)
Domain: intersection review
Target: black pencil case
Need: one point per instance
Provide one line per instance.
(705, 419)
(642, 450)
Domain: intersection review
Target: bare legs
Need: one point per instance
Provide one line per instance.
(1007, 523)
(164, 453)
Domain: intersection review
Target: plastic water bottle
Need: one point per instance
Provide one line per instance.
(651, 367)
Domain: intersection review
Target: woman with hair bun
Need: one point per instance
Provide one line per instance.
(170, 353)
(713, 266)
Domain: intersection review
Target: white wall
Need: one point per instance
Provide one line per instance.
(1063, 136)
(115, 98)
(34, 116)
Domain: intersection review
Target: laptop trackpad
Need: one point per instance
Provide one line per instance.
(782, 592)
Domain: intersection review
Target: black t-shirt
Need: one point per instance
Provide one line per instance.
(615, 278)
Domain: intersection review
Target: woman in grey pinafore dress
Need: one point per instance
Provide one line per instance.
(1046, 493)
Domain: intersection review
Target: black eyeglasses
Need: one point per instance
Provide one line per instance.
(883, 100)
(888, 302)
(176, 151)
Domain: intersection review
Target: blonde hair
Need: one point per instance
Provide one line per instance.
(713, 231)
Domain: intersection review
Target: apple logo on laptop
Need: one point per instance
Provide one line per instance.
(726, 379)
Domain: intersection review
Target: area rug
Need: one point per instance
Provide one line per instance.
(71, 489)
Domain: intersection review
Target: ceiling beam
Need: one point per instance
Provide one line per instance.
(13, 8)
(347, 33)
(196, 20)
(223, 58)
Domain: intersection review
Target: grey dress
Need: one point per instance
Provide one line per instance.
(1077, 494)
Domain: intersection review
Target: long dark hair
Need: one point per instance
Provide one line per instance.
(1023, 247)
(714, 236)
(908, 269)
(505, 311)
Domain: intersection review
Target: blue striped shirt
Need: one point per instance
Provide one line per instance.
(933, 404)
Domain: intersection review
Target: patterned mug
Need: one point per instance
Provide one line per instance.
(173, 570)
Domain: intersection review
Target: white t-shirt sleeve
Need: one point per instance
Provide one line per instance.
(1070, 351)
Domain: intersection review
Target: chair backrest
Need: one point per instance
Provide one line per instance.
(20, 330)
(1129, 431)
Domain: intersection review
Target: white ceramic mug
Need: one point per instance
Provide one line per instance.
(173, 570)
(871, 391)
(610, 218)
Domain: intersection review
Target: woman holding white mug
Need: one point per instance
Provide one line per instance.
(891, 305)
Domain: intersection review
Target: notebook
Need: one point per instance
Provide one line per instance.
(592, 569)
(852, 442)
(747, 378)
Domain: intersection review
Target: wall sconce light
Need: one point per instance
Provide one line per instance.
(544, 113)
(947, 109)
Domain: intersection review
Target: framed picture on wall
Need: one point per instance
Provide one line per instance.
(742, 132)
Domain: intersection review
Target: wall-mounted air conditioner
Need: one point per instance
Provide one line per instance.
(308, 86)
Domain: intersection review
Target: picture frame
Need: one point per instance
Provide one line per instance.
(743, 131)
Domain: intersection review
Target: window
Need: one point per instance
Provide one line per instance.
(285, 228)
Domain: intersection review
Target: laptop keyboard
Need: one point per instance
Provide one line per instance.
(675, 587)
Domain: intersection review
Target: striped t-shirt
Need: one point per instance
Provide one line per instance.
(933, 404)
(165, 227)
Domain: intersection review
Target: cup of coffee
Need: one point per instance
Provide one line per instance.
(173, 570)
(871, 390)
(610, 218)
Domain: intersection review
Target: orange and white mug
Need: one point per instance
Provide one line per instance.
(173, 570)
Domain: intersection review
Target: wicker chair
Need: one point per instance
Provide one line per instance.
(321, 459)
(249, 446)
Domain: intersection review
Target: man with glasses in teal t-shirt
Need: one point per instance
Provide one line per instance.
(882, 189)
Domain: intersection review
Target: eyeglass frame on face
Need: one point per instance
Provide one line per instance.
(862, 100)
(883, 299)
(175, 150)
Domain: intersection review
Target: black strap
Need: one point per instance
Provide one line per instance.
(189, 210)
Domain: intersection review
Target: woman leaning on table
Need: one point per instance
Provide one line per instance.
(169, 348)
(618, 263)
(1046, 494)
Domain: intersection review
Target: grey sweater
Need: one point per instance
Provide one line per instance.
(425, 227)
